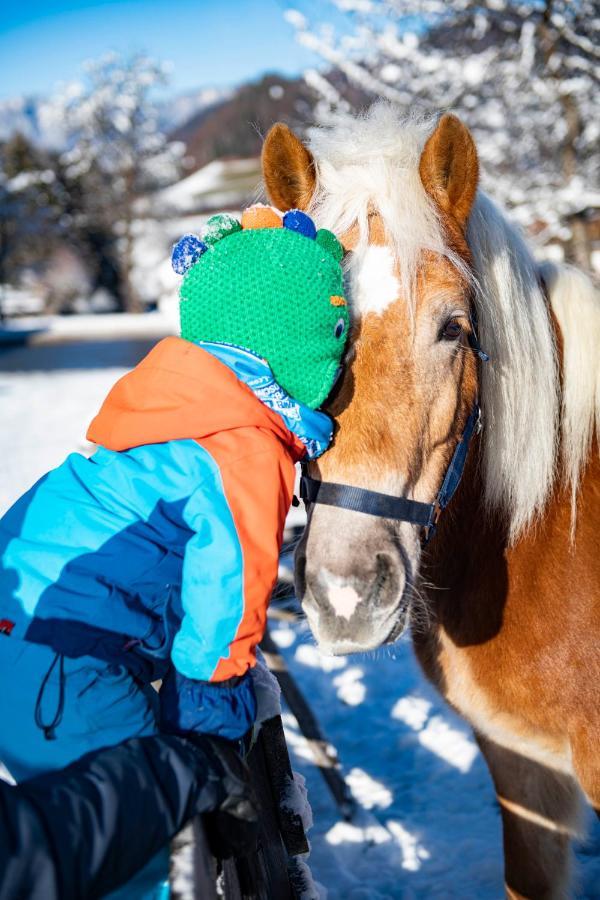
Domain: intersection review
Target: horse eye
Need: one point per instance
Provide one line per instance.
(452, 330)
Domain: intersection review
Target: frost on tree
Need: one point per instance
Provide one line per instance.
(117, 148)
(525, 77)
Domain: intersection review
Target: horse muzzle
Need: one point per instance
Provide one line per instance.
(355, 601)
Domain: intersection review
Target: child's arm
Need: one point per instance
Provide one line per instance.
(229, 571)
(65, 833)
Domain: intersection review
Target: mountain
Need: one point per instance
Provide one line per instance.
(39, 119)
(234, 127)
(36, 118)
(213, 123)
(177, 110)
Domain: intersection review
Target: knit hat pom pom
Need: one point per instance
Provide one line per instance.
(186, 252)
(220, 226)
(260, 216)
(296, 220)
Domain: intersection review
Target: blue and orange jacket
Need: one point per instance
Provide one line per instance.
(162, 548)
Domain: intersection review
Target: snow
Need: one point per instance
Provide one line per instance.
(5, 775)
(427, 824)
(526, 86)
(267, 690)
(215, 186)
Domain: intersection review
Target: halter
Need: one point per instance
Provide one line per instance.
(402, 509)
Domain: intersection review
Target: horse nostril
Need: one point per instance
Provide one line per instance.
(387, 585)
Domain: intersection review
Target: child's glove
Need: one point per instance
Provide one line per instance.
(226, 709)
(231, 828)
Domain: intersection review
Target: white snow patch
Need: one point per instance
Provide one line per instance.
(283, 637)
(309, 655)
(369, 792)
(413, 853)
(296, 741)
(453, 746)
(348, 833)
(413, 711)
(350, 688)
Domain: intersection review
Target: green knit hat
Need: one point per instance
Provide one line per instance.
(271, 284)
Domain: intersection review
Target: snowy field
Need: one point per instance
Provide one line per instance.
(427, 825)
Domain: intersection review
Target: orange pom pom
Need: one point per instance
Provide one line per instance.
(260, 217)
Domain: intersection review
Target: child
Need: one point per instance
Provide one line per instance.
(156, 557)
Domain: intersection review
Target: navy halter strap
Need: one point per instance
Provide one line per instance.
(402, 509)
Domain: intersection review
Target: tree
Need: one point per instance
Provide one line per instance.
(118, 152)
(523, 74)
(32, 207)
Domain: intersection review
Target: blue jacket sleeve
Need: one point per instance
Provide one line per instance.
(225, 709)
(229, 570)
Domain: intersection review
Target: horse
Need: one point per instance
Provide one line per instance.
(453, 318)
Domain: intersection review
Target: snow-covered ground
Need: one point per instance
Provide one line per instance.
(427, 825)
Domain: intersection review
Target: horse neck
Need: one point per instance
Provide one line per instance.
(469, 544)
(480, 582)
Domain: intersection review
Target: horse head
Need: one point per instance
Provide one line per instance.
(400, 207)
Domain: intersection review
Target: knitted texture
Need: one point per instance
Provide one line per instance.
(274, 288)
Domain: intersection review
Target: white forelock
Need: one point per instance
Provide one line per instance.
(372, 163)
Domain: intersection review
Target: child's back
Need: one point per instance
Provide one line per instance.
(156, 557)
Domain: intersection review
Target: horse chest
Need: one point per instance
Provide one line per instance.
(494, 709)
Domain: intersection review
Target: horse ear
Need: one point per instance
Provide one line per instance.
(288, 169)
(449, 168)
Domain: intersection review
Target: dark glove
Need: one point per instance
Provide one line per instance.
(232, 828)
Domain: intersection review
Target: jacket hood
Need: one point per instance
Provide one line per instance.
(181, 391)
(313, 427)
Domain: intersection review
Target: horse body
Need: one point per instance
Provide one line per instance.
(504, 603)
(513, 647)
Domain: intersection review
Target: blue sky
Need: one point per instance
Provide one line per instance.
(209, 42)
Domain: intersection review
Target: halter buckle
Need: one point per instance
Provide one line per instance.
(430, 529)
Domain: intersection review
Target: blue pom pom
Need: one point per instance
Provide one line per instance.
(296, 220)
(186, 252)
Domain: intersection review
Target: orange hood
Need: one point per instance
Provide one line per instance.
(180, 391)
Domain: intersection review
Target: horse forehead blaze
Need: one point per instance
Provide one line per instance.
(384, 402)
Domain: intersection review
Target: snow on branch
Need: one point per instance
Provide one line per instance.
(523, 75)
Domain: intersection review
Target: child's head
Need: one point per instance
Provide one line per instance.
(272, 285)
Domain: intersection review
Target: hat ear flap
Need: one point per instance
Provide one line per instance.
(186, 252)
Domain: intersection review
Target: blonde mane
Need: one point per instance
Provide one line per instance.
(530, 424)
